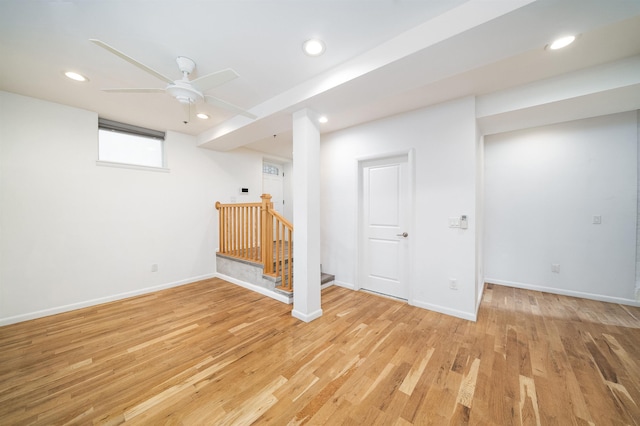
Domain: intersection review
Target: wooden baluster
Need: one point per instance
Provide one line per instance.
(227, 226)
(253, 233)
(259, 233)
(267, 235)
(256, 232)
(231, 225)
(242, 232)
(236, 227)
(239, 231)
(250, 232)
(225, 229)
(278, 248)
(282, 266)
(246, 231)
(290, 259)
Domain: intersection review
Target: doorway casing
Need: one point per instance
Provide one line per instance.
(362, 162)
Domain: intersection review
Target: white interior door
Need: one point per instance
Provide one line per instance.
(385, 219)
(273, 184)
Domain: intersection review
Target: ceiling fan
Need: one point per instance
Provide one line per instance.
(187, 92)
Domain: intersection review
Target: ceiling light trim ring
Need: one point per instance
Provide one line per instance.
(314, 47)
(75, 76)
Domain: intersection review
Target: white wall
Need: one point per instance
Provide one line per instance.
(288, 191)
(638, 218)
(542, 188)
(444, 139)
(479, 219)
(74, 233)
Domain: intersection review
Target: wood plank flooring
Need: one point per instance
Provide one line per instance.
(212, 353)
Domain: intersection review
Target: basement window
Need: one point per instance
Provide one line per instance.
(128, 146)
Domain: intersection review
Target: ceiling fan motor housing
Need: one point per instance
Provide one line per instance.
(184, 92)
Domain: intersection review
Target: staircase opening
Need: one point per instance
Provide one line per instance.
(258, 236)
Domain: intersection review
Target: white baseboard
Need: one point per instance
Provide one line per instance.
(563, 292)
(444, 310)
(85, 304)
(345, 285)
(265, 292)
(441, 309)
(306, 317)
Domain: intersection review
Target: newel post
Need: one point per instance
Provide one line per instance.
(267, 234)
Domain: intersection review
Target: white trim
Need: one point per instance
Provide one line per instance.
(410, 156)
(345, 285)
(256, 288)
(444, 310)
(99, 301)
(132, 166)
(479, 301)
(306, 317)
(583, 295)
(411, 160)
(386, 296)
(326, 285)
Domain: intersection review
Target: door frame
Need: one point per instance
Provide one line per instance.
(360, 234)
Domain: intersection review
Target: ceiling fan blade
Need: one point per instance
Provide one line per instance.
(131, 60)
(212, 80)
(228, 106)
(134, 90)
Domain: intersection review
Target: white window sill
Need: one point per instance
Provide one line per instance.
(132, 166)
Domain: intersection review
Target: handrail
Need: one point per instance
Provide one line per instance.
(258, 233)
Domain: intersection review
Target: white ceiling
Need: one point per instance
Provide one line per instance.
(383, 56)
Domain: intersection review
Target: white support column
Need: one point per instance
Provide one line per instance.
(306, 216)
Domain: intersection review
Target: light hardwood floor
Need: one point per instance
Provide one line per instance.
(213, 353)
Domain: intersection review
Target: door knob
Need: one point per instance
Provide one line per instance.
(404, 234)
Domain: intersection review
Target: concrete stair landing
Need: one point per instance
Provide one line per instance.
(249, 275)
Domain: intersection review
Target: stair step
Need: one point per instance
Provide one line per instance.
(326, 278)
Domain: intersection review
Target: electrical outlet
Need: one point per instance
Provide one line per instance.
(154, 267)
(453, 284)
(555, 267)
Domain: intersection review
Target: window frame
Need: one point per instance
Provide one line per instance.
(129, 129)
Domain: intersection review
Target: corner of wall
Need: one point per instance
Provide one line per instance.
(637, 290)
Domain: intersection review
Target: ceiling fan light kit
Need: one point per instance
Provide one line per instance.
(186, 92)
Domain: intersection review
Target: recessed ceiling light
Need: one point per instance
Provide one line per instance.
(322, 119)
(562, 42)
(76, 77)
(313, 47)
(202, 116)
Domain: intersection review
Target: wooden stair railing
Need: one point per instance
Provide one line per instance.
(256, 232)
